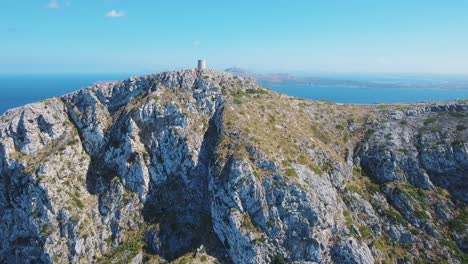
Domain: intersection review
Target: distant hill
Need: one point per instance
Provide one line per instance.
(293, 80)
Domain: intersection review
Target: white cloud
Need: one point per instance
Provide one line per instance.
(196, 43)
(53, 4)
(115, 14)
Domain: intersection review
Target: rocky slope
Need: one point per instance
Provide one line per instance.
(191, 168)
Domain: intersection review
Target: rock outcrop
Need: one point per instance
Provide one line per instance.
(209, 167)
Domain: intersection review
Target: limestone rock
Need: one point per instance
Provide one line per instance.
(193, 167)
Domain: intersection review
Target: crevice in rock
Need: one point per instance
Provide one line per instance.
(67, 110)
(44, 126)
(181, 209)
(22, 238)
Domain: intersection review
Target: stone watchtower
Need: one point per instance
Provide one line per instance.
(201, 65)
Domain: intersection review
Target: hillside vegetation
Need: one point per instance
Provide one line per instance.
(189, 167)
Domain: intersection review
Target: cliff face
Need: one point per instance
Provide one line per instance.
(185, 167)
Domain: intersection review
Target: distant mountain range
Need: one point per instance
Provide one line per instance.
(293, 80)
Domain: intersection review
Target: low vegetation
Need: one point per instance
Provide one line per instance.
(287, 129)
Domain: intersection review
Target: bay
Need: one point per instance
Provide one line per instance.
(354, 95)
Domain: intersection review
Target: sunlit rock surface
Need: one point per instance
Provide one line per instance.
(191, 167)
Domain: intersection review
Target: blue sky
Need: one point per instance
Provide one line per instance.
(365, 36)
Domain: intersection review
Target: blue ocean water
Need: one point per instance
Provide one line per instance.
(372, 95)
(18, 90)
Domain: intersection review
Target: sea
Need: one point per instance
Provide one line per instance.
(18, 90)
(369, 95)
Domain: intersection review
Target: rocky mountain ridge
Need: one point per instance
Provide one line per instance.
(210, 167)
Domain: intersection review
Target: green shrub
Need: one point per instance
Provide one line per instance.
(381, 245)
(414, 231)
(458, 142)
(285, 163)
(238, 94)
(357, 171)
(353, 188)
(365, 231)
(146, 155)
(339, 127)
(47, 229)
(459, 223)
(421, 214)
(223, 91)
(327, 166)
(247, 223)
(422, 260)
(255, 173)
(278, 259)
(131, 247)
(395, 215)
(418, 146)
(348, 218)
(457, 114)
(372, 187)
(461, 127)
(429, 120)
(315, 169)
(256, 91)
(458, 253)
(303, 160)
(411, 191)
(270, 224)
(369, 133)
(290, 172)
(78, 202)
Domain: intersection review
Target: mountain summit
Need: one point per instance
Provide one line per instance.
(197, 167)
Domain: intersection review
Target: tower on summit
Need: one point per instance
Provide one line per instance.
(201, 65)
